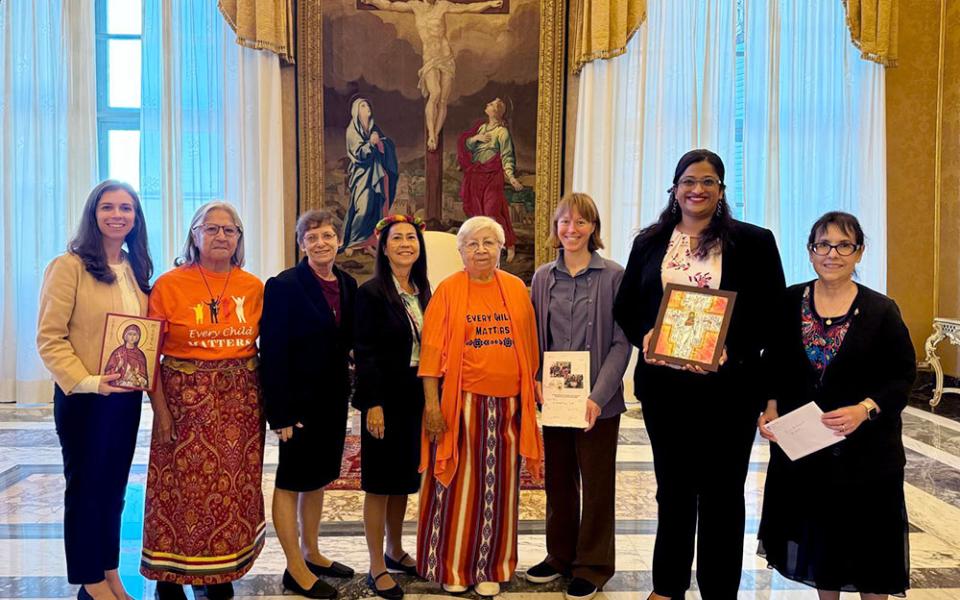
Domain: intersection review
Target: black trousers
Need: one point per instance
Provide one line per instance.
(98, 435)
(581, 543)
(701, 438)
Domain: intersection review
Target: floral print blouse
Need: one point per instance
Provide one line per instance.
(681, 266)
(822, 337)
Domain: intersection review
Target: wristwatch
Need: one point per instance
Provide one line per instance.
(872, 411)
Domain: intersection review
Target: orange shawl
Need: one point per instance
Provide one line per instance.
(441, 355)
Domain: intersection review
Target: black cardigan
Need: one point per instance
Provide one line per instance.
(876, 360)
(382, 345)
(304, 355)
(750, 266)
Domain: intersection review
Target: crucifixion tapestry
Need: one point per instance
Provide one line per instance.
(428, 107)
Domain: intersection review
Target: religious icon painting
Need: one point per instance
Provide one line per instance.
(131, 349)
(425, 107)
(691, 326)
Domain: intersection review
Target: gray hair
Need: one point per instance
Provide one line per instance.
(190, 255)
(474, 224)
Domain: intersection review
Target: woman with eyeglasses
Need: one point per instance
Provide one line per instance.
(306, 335)
(701, 425)
(480, 339)
(204, 521)
(836, 519)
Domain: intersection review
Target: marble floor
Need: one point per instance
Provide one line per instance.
(31, 488)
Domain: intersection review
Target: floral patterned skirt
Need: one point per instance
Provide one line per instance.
(204, 518)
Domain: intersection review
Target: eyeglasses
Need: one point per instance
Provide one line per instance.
(313, 238)
(212, 230)
(824, 248)
(474, 246)
(708, 183)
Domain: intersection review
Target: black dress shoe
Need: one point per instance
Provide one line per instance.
(320, 589)
(393, 593)
(170, 591)
(397, 566)
(334, 570)
(219, 591)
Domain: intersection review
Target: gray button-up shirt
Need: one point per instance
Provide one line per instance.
(569, 301)
(587, 321)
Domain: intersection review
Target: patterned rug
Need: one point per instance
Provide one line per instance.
(350, 469)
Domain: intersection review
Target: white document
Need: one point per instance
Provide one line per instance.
(800, 432)
(566, 387)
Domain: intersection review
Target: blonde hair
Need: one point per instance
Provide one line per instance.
(584, 205)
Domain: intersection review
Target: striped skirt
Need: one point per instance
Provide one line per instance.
(467, 532)
(204, 519)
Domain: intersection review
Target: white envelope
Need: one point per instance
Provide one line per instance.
(800, 432)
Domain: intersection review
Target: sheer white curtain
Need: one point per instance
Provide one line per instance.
(211, 129)
(774, 87)
(47, 166)
(814, 130)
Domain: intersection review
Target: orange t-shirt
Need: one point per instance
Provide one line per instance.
(194, 330)
(490, 363)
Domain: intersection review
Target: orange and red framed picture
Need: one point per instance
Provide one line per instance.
(131, 349)
(691, 326)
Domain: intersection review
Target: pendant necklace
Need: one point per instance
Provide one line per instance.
(214, 304)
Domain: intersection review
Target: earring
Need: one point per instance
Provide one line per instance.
(674, 205)
(719, 208)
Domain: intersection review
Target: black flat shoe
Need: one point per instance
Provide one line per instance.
(393, 593)
(219, 591)
(334, 570)
(397, 566)
(170, 591)
(321, 589)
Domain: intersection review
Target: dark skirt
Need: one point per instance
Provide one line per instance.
(390, 466)
(830, 527)
(312, 458)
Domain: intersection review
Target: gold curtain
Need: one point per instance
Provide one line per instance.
(873, 29)
(603, 28)
(262, 24)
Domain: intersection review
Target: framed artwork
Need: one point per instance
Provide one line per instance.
(691, 326)
(131, 349)
(445, 109)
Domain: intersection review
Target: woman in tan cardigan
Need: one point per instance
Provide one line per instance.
(97, 423)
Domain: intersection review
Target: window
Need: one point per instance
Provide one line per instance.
(119, 36)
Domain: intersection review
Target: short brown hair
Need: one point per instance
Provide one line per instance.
(584, 205)
(316, 218)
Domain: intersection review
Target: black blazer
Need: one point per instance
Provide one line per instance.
(751, 267)
(876, 360)
(304, 356)
(382, 345)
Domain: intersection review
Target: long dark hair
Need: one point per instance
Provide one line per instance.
(717, 233)
(418, 272)
(88, 241)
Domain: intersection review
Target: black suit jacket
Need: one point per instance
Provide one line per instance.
(876, 360)
(383, 344)
(751, 267)
(304, 355)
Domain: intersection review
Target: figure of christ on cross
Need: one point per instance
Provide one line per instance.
(439, 67)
